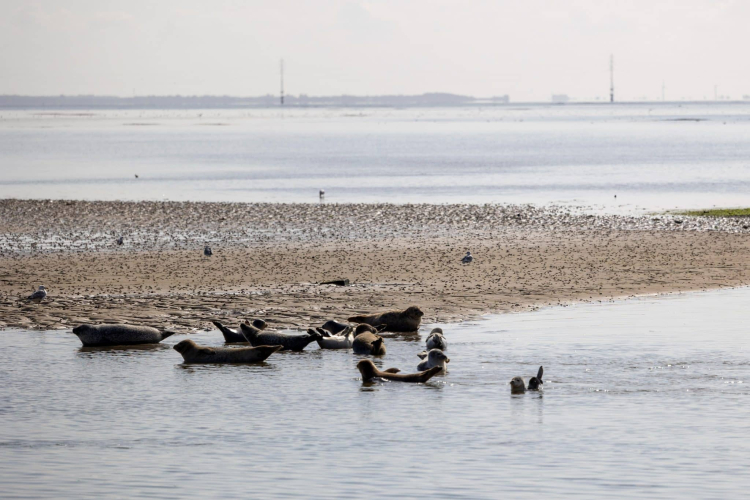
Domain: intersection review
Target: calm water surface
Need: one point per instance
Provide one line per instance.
(652, 156)
(643, 398)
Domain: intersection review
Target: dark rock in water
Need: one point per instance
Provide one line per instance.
(343, 282)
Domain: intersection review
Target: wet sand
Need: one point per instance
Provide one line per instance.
(269, 258)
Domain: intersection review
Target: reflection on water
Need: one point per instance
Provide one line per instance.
(643, 398)
(648, 155)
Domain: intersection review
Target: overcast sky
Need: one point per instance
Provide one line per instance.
(528, 49)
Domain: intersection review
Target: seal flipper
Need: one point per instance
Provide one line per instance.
(422, 355)
(167, 333)
(535, 382)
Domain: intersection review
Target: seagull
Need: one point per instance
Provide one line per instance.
(467, 258)
(207, 251)
(322, 193)
(119, 240)
(38, 295)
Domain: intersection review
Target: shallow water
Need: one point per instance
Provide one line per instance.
(642, 398)
(652, 156)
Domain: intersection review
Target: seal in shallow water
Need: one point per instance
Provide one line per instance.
(517, 386)
(433, 357)
(344, 340)
(334, 326)
(235, 337)
(395, 321)
(436, 340)
(288, 342)
(108, 335)
(369, 371)
(193, 353)
(369, 343)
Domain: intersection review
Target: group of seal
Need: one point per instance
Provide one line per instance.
(362, 337)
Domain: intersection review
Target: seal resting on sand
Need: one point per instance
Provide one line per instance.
(369, 371)
(288, 342)
(342, 341)
(108, 335)
(235, 337)
(193, 353)
(436, 340)
(433, 357)
(369, 343)
(517, 386)
(395, 321)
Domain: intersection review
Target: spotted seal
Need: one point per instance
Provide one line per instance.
(193, 353)
(109, 335)
(436, 340)
(288, 342)
(395, 321)
(344, 340)
(369, 372)
(369, 343)
(433, 357)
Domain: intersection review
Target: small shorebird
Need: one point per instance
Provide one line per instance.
(38, 295)
(467, 258)
(207, 251)
(119, 240)
(322, 193)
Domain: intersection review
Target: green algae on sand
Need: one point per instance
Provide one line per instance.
(718, 212)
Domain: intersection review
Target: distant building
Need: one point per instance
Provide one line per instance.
(560, 98)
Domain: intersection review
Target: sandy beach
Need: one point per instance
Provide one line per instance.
(270, 258)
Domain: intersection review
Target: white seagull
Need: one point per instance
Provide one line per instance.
(467, 258)
(207, 251)
(38, 295)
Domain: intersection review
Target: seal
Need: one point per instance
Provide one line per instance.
(334, 326)
(433, 357)
(108, 335)
(369, 343)
(288, 342)
(395, 321)
(517, 386)
(342, 341)
(235, 337)
(436, 340)
(369, 372)
(193, 353)
(535, 382)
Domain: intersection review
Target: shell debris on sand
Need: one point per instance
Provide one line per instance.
(274, 255)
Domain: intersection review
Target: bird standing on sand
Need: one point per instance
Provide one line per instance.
(207, 251)
(119, 240)
(467, 258)
(322, 193)
(38, 295)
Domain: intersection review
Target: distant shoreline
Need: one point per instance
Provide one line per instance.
(269, 258)
(93, 102)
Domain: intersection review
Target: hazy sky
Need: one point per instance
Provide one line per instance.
(525, 48)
